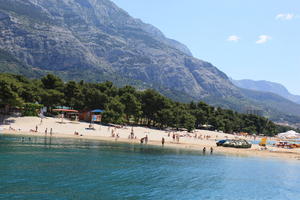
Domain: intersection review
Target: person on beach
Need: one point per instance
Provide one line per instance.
(163, 141)
(36, 128)
(146, 139)
(46, 130)
(177, 138)
(117, 136)
(112, 133)
(51, 132)
(173, 137)
(132, 133)
(204, 149)
(211, 150)
(142, 140)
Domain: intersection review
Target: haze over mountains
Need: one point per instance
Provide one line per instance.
(267, 86)
(94, 40)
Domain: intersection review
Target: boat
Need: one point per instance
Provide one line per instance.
(236, 143)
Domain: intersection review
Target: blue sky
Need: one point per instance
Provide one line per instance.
(255, 39)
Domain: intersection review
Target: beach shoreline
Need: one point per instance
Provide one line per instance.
(103, 133)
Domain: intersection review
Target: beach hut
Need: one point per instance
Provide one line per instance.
(85, 115)
(67, 113)
(289, 134)
(91, 115)
(96, 115)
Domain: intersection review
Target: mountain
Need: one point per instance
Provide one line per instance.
(94, 40)
(267, 86)
(100, 40)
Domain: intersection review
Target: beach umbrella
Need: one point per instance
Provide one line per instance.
(289, 134)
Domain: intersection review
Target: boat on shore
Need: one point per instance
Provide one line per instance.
(235, 143)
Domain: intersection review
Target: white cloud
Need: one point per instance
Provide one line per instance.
(263, 39)
(233, 38)
(285, 16)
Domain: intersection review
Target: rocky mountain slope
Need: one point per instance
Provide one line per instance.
(71, 36)
(94, 40)
(267, 86)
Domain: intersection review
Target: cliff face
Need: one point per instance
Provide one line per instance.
(95, 36)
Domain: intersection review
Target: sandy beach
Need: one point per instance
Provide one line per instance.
(66, 129)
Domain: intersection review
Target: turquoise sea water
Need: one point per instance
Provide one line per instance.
(80, 169)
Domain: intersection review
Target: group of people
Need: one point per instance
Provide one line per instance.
(211, 150)
(114, 133)
(131, 136)
(46, 130)
(144, 139)
(175, 137)
(11, 128)
(204, 137)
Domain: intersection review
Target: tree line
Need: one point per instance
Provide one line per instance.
(127, 105)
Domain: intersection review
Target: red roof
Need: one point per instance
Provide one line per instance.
(65, 110)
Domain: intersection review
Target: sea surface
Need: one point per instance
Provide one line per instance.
(43, 168)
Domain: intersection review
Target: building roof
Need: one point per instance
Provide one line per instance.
(65, 110)
(97, 111)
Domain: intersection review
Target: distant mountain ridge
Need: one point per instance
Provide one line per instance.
(267, 86)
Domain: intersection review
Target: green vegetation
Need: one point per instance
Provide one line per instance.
(126, 105)
(8, 63)
(31, 109)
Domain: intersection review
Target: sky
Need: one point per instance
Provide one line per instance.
(255, 39)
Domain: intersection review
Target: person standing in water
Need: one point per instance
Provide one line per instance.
(204, 149)
(163, 141)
